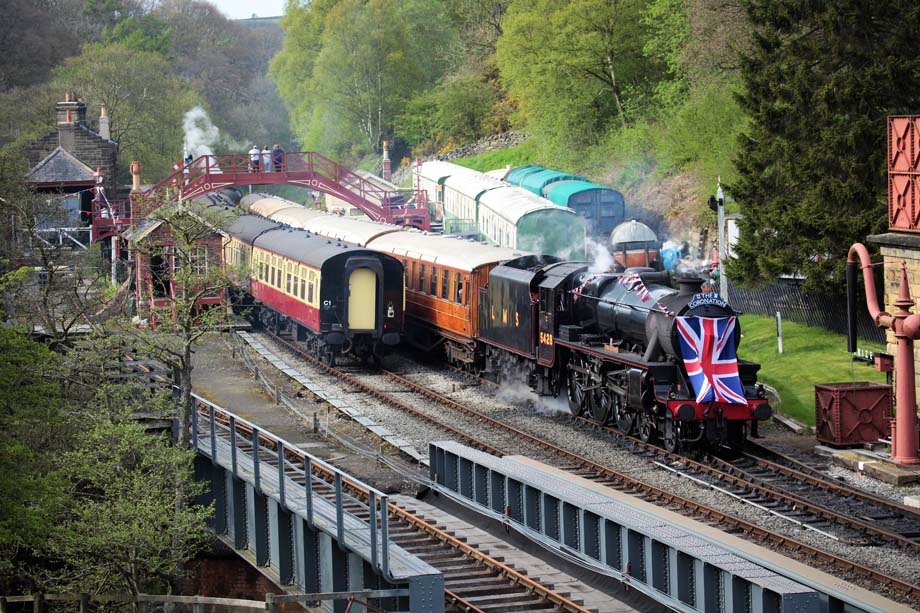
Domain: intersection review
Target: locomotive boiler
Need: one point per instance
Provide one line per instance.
(627, 349)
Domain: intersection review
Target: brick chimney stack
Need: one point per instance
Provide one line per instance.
(386, 172)
(104, 124)
(71, 111)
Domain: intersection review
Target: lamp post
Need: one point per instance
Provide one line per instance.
(717, 204)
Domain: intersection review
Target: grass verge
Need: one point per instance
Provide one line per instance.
(810, 356)
(519, 155)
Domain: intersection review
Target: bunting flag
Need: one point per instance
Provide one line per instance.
(708, 350)
(633, 283)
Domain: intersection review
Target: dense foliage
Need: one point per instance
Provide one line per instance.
(90, 498)
(150, 63)
(819, 82)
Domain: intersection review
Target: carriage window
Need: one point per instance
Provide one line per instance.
(445, 284)
(411, 275)
(458, 288)
(421, 278)
(433, 284)
(288, 284)
(310, 291)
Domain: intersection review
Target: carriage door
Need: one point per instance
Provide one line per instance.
(362, 299)
(545, 349)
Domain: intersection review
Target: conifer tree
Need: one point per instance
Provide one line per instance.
(819, 82)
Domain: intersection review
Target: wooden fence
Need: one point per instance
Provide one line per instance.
(152, 603)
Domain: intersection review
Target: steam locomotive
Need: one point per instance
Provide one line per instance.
(626, 348)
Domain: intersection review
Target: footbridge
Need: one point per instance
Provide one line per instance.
(305, 524)
(309, 170)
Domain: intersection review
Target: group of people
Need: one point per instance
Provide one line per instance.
(265, 159)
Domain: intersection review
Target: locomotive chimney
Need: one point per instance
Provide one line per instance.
(687, 286)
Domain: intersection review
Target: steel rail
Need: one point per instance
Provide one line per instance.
(719, 468)
(419, 524)
(624, 482)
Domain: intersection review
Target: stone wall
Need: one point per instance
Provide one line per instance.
(495, 142)
(895, 249)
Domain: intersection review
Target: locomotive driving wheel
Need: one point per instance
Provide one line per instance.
(577, 382)
(646, 426)
(602, 400)
(671, 435)
(622, 416)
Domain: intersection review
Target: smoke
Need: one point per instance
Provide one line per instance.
(514, 391)
(599, 256)
(200, 133)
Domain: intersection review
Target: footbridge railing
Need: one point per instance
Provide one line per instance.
(305, 169)
(305, 523)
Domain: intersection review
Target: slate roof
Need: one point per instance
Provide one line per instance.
(60, 166)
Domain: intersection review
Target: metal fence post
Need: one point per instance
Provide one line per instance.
(194, 425)
(372, 507)
(233, 445)
(257, 484)
(4, 606)
(385, 536)
(339, 511)
(213, 429)
(84, 603)
(280, 449)
(308, 487)
(38, 602)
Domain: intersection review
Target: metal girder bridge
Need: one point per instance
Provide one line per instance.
(310, 170)
(287, 512)
(685, 565)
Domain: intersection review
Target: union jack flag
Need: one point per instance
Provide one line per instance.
(708, 350)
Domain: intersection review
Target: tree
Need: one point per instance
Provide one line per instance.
(348, 68)
(33, 424)
(144, 100)
(122, 529)
(576, 67)
(193, 251)
(819, 82)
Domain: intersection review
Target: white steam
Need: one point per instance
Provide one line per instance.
(599, 256)
(516, 392)
(200, 133)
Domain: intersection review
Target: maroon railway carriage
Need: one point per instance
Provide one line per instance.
(338, 298)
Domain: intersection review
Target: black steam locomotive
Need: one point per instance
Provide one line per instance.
(627, 348)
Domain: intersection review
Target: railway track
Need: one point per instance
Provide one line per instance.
(792, 489)
(865, 576)
(474, 582)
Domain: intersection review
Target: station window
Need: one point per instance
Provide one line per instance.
(433, 284)
(421, 278)
(445, 284)
(458, 288)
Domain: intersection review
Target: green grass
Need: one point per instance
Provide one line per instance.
(519, 155)
(810, 356)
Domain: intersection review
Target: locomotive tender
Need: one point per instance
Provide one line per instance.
(335, 297)
(625, 348)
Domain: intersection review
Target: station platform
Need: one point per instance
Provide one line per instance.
(872, 464)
